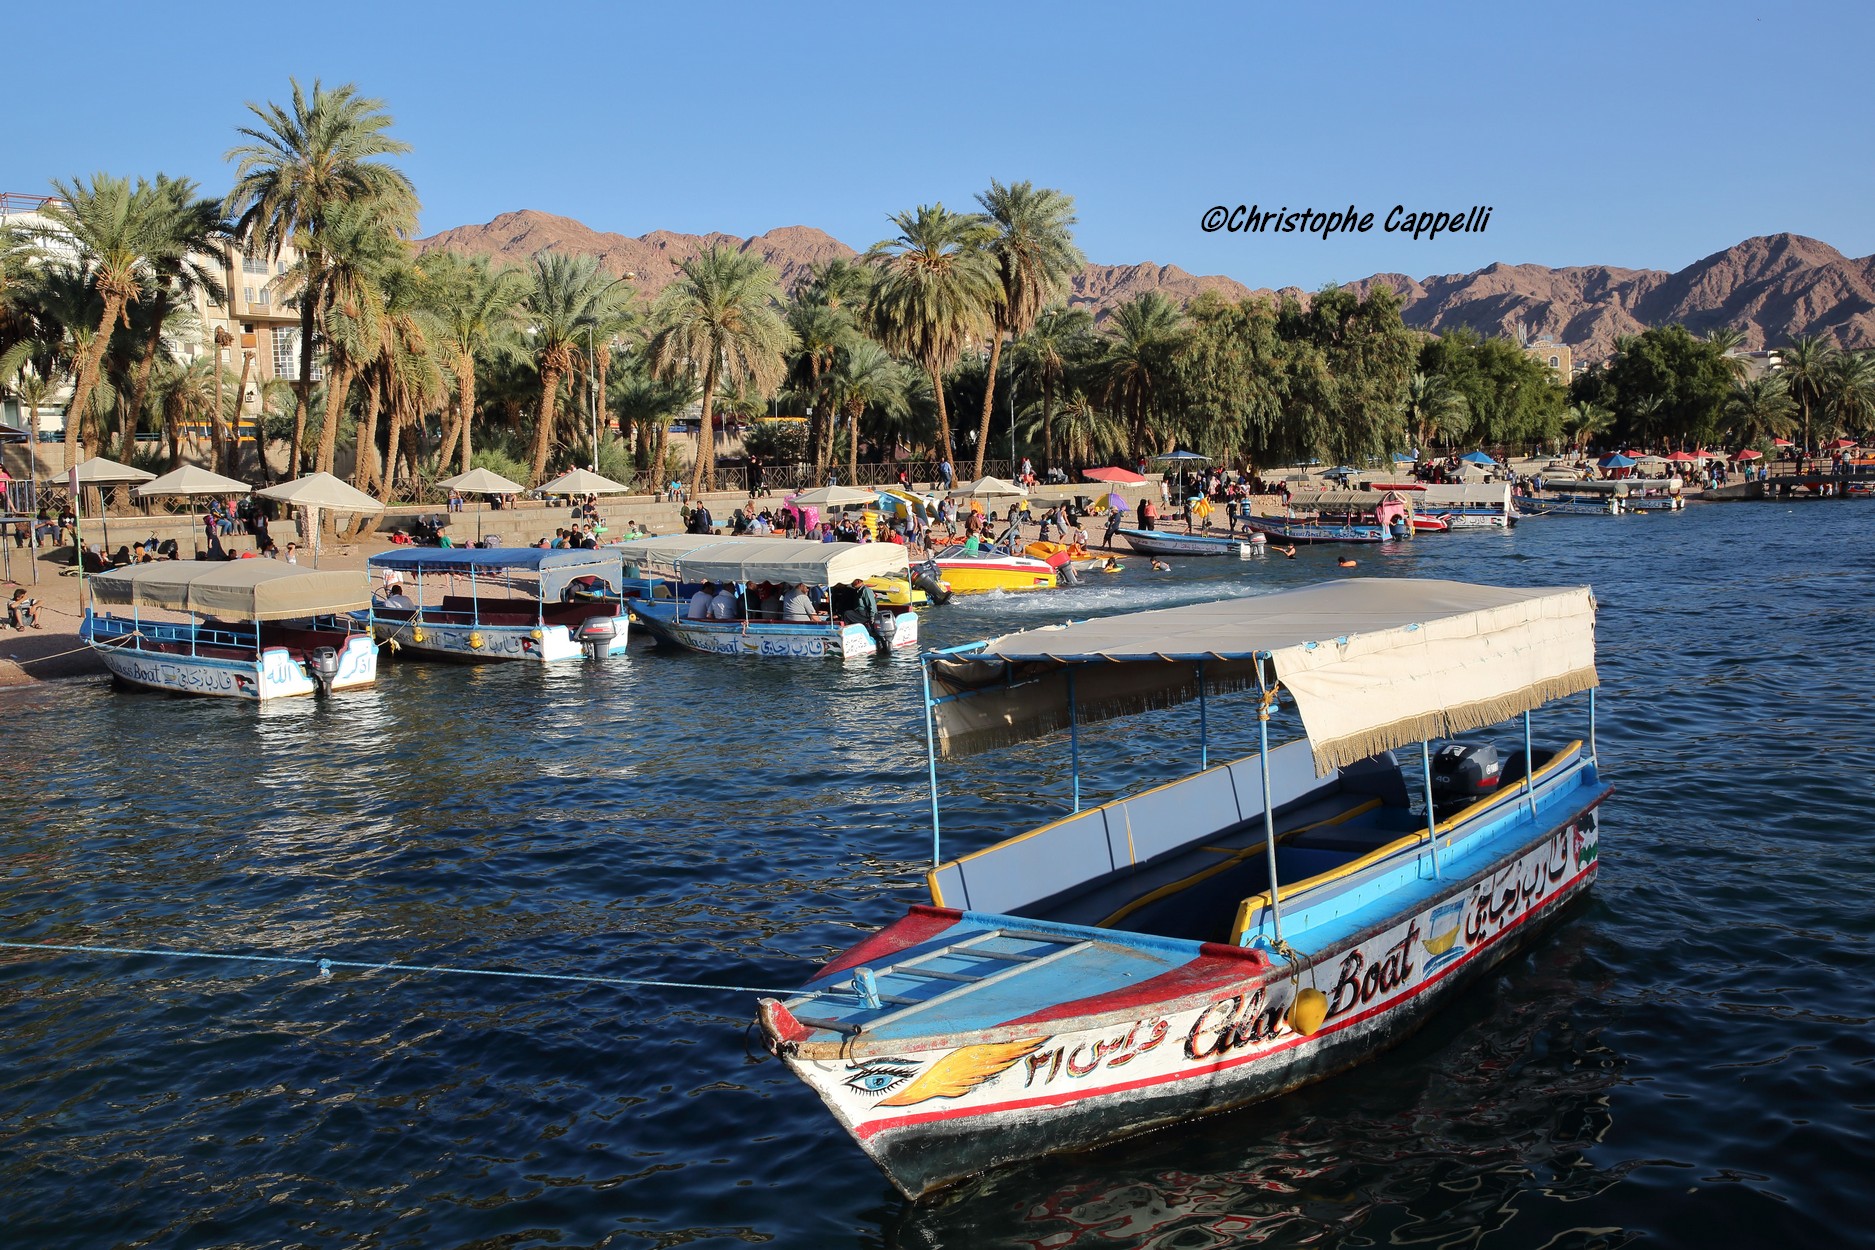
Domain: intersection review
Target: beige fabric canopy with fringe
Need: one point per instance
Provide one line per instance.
(1372, 663)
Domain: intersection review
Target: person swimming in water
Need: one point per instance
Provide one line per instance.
(1289, 551)
(1345, 562)
(1160, 566)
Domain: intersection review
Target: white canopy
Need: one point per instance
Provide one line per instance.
(991, 488)
(708, 557)
(574, 482)
(98, 471)
(321, 490)
(1372, 663)
(191, 480)
(834, 497)
(247, 590)
(481, 482)
(1474, 493)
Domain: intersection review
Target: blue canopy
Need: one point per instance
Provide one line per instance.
(1616, 461)
(1181, 455)
(1340, 471)
(555, 568)
(1400, 457)
(1478, 457)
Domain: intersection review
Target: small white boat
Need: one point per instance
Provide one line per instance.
(671, 570)
(1164, 543)
(257, 629)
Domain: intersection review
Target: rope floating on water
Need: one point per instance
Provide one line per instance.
(325, 967)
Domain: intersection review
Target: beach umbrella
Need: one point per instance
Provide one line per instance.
(839, 496)
(100, 472)
(1842, 444)
(319, 492)
(1401, 457)
(481, 482)
(1782, 442)
(1615, 460)
(1681, 457)
(1750, 453)
(580, 482)
(1116, 476)
(1479, 457)
(990, 488)
(1340, 471)
(191, 480)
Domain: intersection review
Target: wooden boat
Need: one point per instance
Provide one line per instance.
(1463, 506)
(504, 603)
(676, 567)
(1170, 543)
(1609, 497)
(257, 629)
(992, 569)
(1230, 935)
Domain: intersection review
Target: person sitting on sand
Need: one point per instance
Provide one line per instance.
(23, 611)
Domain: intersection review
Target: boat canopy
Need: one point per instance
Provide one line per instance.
(1372, 663)
(1621, 487)
(556, 568)
(1497, 493)
(245, 590)
(1346, 500)
(710, 557)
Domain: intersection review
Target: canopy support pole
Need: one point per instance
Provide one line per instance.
(1269, 814)
(1204, 737)
(1592, 752)
(930, 758)
(1074, 742)
(1432, 823)
(475, 600)
(1529, 767)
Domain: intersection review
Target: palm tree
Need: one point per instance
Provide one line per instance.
(1849, 396)
(1728, 339)
(820, 331)
(1757, 409)
(1087, 434)
(720, 323)
(1045, 351)
(1136, 370)
(1585, 421)
(1806, 369)
(341, 272)
(865, 376)
(472, 303)
(566, 296)
(647, 406)
(302, 164)
(183, 228)
(936, 289)
(1435, 411)
(108, 224)
(1035, 259)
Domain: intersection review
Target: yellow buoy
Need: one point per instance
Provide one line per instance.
(416, 635)
(536, 635)
(475, 640)
(1308, 1011)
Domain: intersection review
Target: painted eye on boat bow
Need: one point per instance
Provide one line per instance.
(879, 1076)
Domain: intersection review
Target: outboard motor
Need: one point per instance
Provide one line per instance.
(884, 628)
(1463, 773)
(595, 634)
(927, 578)
(323, 664)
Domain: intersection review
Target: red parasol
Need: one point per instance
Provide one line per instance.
(1682, 456)
(1118, 476)
(1782, 442)
(1843, 444)
(1750, 453)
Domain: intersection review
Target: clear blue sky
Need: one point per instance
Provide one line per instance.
(1619, 133)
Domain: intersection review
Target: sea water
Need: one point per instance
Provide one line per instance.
(1686, 1060)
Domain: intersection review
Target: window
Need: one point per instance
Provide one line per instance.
(247, 293)
(1555, 362)
(286, 353)
(253, 264)
(266, 297)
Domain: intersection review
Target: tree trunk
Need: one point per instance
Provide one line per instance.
(365, 472)
(140, 386)
(989, 400)
(1048, 421)
(88, 376)
(944, 416)
(705, 460)
(214, 421)
(660, 452)
(240, 402)
(302, 390)
(852, 446)
(603, 365)
(388, 484)
(338, 390)
(543, 428)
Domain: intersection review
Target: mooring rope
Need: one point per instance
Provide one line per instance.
(325, 967)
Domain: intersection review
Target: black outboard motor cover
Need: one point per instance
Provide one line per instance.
(595, 634)
(1463, 772)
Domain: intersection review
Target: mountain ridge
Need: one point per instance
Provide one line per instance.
(1772, 287)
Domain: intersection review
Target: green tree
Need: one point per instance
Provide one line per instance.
(183, 230)
(865, 377)
(473, 304)
(820, 331)
(1136, 370)
(720, 322)
(1806, 372)
(1663, 385)
(1435, 411)
(1035, 258)
(1758, 409)
(1849, 393)
(109, 224)
(303, 162)
(1060, 339)
(567, 298)
(937, 287)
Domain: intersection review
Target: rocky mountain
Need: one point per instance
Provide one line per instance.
(1772, 287)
